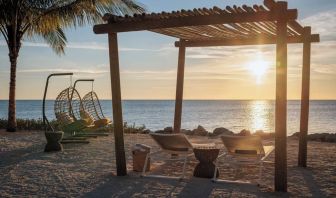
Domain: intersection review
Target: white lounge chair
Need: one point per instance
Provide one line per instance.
(244, 150)
(174, 144)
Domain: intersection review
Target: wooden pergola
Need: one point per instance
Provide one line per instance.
(271, 23)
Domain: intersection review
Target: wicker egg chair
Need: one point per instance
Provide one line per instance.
(92, 105)
(72, 117)
(67, 107)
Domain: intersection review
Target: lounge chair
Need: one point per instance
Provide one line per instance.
(176, 145)
(244, 150)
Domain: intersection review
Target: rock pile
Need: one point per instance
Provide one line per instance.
(220, 131)
(201, 131)
(321, 137)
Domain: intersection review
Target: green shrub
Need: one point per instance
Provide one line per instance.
(37, 125)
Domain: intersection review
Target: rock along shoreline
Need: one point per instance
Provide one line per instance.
(201, 131)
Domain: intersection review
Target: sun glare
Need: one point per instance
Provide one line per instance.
(258, 68)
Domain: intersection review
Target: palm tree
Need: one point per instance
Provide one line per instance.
(47, 19)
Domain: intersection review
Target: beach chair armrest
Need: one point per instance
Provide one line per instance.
(222, 155)
(267, 154)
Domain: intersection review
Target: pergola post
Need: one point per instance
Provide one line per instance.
(179, 89)
(116, 103)
(280, 168)
(302, 161)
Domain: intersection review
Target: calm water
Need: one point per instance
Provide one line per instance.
(232, 114)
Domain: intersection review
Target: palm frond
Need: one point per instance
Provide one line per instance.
(6, 9)
(48, 18)
(119, 7)
(73, 13)
(56, 40)
(135, 7)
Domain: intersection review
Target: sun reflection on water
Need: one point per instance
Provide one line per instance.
(260, 116)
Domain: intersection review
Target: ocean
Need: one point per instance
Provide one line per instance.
(232, 114)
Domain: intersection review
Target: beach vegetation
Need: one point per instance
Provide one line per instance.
(37, 125)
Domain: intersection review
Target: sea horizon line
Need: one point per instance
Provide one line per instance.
(187, 99)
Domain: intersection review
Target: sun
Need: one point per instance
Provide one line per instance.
(258, 68)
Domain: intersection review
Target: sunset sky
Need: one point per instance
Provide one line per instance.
(148, 61)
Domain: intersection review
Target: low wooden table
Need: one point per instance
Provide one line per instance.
(206, 157)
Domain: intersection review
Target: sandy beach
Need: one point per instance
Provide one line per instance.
(89, 171)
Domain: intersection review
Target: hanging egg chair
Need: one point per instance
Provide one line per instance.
(92, 105)
(90, 108)
(68, 104)
(68, 107)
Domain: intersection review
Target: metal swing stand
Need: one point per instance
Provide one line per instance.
(53, 137)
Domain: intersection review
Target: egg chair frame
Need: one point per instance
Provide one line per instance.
(68, 107)
(68, 104)
(91, 102)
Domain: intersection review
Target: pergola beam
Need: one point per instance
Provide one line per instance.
(118, 125)
(271, 4)
(247, 41)
(222, 18)
(179, 89)
(302, 158)
(280, 164)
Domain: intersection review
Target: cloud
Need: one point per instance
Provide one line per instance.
(80, 71)
(224, 52)
(329, 69)
(193, 73)
(150, 72)
(76, 69)
(324, 24)
(91, 46)
(203, 56)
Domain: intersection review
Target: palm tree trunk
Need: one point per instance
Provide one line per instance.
(14, 44)
(11, 125)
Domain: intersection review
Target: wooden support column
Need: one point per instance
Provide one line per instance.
(302, 160)
(280, 168)
(116, 103)
(179, 89)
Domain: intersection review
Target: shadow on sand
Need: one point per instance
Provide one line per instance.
(132, 186)
(23, 154)
(310, 181)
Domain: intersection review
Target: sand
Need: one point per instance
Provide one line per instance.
(89, 171)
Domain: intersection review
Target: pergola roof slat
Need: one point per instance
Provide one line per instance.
(170, 20)
(244, 23)
(211, 31)
(296, 30)
(219, 32)
(246, 26)
(270, 25)
(181, 34)
(261, 25)
(244, 41)
(270, 4)
(228, 28)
